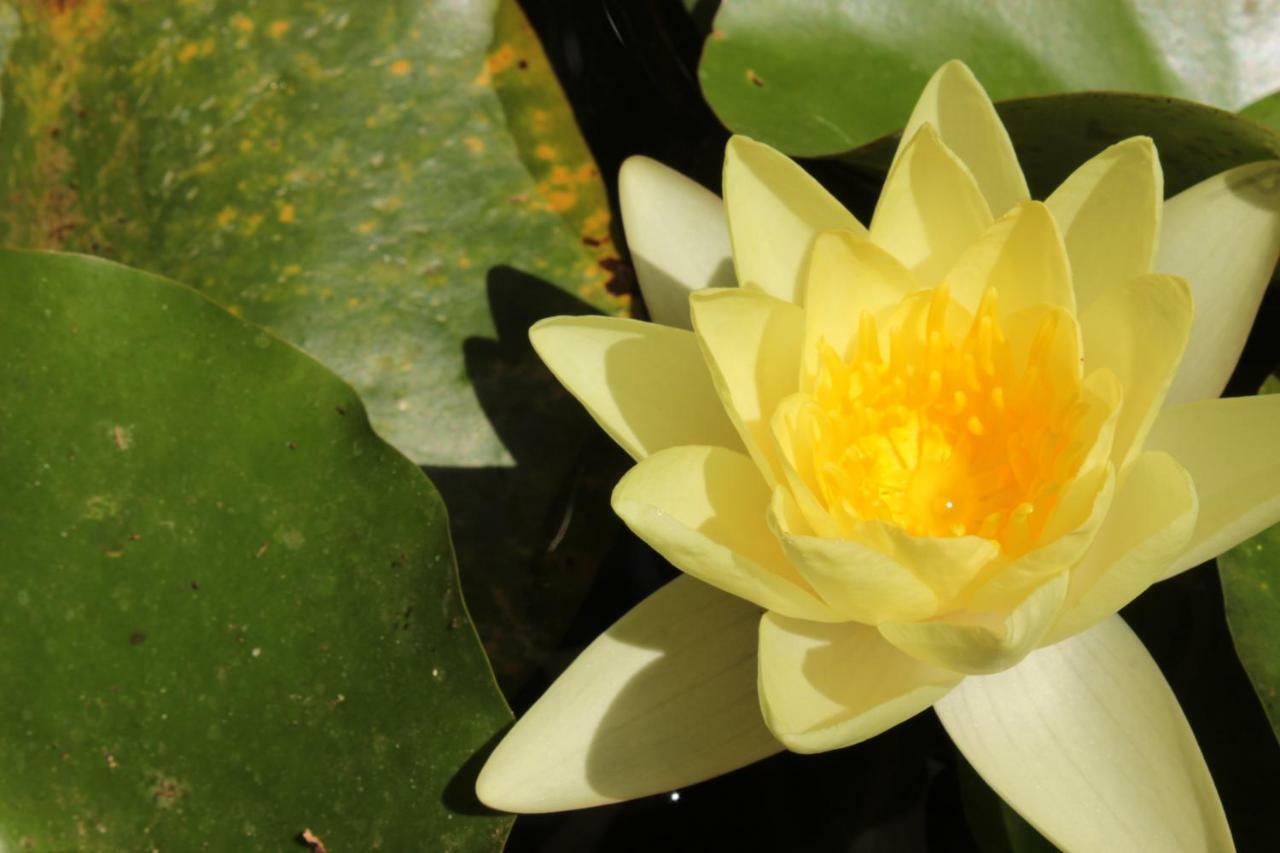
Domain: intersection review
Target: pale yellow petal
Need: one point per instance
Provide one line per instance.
(955, 103)
(645, 384)
(752, 344)
(982, 642)
(1151, 519)
(1231, 448)
(1086, 741)
(828, 686)
(1109, 213)
(1138, 331)
(677, 236)
(792, 446)
(930, 210)
(775, 209)
(1022, 256)
(1222, 236)
(704, 509)
(1056, 333)
(946, 563)
(663, 699)
(856, 581)
(847, 276)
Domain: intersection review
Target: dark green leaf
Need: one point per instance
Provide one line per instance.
(1054, 134)
(231, 610)
(825, 77)
(1251, 588)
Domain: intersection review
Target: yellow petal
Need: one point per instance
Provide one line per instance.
(857, 582)
(1151, 519)
(663, 699)
(946, 563)
(827, 686)
(1061, 363)
(930, 210)
(1022, 256)
(1231, 448)
(1075, 524)
(1138, 331)
(645, 384)
(677, 236)
(847, 275)
(704, 508)
(775, 209)
(1086, 741)
(1222, 236)
(752, 344)
(1109, 213)
(982, 642)
(955, 103)
(792, 448)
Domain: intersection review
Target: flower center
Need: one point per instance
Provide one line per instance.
(951, 434)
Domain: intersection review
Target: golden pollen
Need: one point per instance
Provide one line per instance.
(950, 434)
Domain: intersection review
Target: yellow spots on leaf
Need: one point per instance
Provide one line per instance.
(189, 51)
(464, 262)
(365, 227)
(246, 145)
(251, 223)
(544, 152)
(499, 59)
(353, 302)
(278, 28)
(560, 200)
(400, 67)
(286, 213)
(541, 120)
(226, 216)
(474, 144)
(243, 23)
(595, 228)
(235, 310)
(290, 270)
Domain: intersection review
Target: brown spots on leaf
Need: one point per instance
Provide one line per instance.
(137, 638)
(242, 22)
(278, 29)
(544, 152)
(262, 549)
(474, 144)
(400, 68)
(287, 213)
(754, 79)
(225, 217)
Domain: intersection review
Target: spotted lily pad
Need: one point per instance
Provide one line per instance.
(231, 610)
(361, 179)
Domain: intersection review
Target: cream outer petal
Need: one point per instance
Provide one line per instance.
(1222, 236)
(645, 384)
(677, 235)
(663, 699)
(828, 686)
(1088, 743)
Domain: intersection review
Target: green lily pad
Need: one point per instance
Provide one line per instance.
(1250, 575)
(829, 76)
(1056, 133)
(231, 610)
(354, 177)
(1265, 111)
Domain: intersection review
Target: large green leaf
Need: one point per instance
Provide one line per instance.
(814, 78)
(1250, 575)
(230, 611)
(358, 178)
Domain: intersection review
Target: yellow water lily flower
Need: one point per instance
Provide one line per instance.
(920, 463)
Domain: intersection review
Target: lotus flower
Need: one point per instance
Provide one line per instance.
(917, 464)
